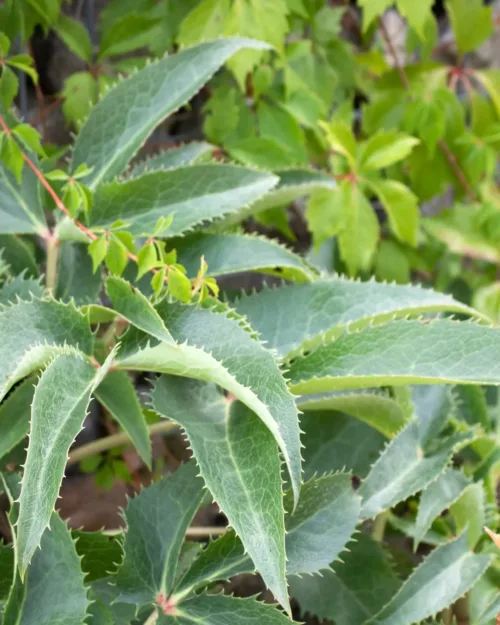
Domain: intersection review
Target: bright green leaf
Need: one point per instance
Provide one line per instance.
(75, 36)
(179, 286)
(472, 23)
(402, 209)
(133, 306)
(386, 148)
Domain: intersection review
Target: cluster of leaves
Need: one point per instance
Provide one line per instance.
(139, 245)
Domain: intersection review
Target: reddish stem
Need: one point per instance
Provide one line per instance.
(450, 157)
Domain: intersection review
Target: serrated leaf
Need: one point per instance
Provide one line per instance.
(133, 306)
(108, 141)
(221, 610)
(376, 409)
(323, 310)
(437, 497)
(361, 583)
(432, 406)
(110, 610)
(239, 461)
(15, 414)
(469, 514)
(193, 195)
(226, 254)
(324, 520)
(444, 576)
(59, 408)
(401, 352)
(335, 442)
(173, 158)
(240, 364)
(401, 206)
(40, 600)
(472, 23)
(34, 332)
(117, 394)
(471, 405)
(18, 254)
(157, 520)
(20, 287)
(100, 554)
(402, 470)
(21, 210)
(220, 560)
(76, 278)
(316, 534)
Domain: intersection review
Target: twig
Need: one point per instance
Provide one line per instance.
(115, 440)
(450, 157)
(392, 50)
(51, 266)
(195, 531)
(379, 526)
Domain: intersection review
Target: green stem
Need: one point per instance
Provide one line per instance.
(115, 440)
(379, 526)
(51, 267)
(153, 617)
(447, 616)
(110, 332)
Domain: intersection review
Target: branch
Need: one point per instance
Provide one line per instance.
(450, 157)
(115, 440)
